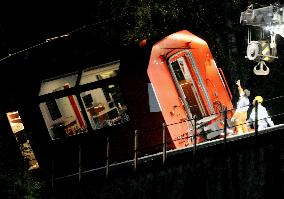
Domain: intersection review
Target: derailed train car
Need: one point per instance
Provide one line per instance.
(187, 83)
(99, 108)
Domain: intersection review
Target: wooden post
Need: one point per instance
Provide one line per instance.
(135, 150)
(164, 144)
(107, 158)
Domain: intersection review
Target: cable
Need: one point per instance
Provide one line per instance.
(24, 50)
(274, 98)
(62, 36)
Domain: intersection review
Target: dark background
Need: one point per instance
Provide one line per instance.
(102, 31)
(99, 31)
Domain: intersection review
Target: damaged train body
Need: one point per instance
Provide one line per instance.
(173, 85)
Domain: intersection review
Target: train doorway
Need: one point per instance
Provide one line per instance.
(189, 86)
(23, 142)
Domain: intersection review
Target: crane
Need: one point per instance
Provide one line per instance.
(268, 21)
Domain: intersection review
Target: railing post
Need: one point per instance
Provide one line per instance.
(107, 157)
(135, 150)
(195, 134)
(164, 144)
(52, 169)
(79, 163)
(256, 118)
(225, 124)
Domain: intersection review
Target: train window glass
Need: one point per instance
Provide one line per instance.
(100, 72)
(186, 83)
(177, 71)
(63, 117)
(101, 102)
(105, 106)
(58, 83)
(153, 101)
(53, 109)
(22, 139)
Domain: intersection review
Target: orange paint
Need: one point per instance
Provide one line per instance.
(186, 80)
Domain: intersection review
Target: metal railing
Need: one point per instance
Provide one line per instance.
(193, 136)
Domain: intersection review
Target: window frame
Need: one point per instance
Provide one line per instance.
(79, 88)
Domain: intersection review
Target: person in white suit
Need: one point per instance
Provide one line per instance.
(263, 118)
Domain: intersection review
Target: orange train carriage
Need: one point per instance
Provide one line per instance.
(187, 82)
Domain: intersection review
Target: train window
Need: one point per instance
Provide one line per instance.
(105, 106)
(100, 101)
(100, 72)
(57, 83)
(153, 101)
(53, 109)
(177, 71)
(62, 117)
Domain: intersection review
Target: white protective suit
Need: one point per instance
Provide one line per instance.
(263, 118)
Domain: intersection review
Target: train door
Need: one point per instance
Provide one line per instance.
(189, 83)
(169, 101)
(180, 93)
(192, 90)
(22, 139)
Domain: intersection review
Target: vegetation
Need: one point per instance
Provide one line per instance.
(15, 180)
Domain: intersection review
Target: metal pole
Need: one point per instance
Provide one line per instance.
(135, 150)
(52, 169)
(195, 135)
(256, 118)
(164, 144)
(225, 124)
(79, 163)
(107, 158)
